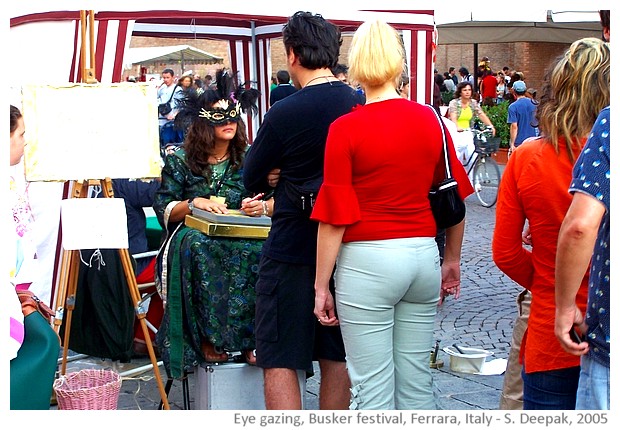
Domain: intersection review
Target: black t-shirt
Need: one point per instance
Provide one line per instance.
(292, 138)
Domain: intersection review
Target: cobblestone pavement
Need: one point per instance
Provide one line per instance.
(482, 317)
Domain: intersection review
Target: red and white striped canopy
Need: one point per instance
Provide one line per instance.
(53, 38)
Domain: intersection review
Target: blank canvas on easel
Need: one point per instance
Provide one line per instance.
(91, 131)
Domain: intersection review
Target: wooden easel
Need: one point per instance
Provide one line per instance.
(70, 264)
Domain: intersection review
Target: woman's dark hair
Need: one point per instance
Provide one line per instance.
(199, 140)
(459, 88)
(15, 116)
(313, 39)
(200, 144)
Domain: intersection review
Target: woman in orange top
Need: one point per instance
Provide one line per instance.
(534, 188)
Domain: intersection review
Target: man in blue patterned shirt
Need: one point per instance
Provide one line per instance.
(586, 228)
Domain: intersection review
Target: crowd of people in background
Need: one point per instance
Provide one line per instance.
(489, 89)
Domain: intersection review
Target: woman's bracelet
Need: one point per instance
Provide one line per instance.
(265, 208)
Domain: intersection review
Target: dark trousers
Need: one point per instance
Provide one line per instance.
(551, 389)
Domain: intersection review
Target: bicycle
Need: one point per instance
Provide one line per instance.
(486, 174)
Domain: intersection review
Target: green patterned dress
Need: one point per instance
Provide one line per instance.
(207, 282)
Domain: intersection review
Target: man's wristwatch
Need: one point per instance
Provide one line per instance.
(190, 204)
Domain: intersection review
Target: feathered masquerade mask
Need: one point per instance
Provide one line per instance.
(219, 106)
(225, 112)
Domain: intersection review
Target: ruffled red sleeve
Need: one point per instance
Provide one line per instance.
(336, 205)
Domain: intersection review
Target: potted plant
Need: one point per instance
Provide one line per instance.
(446, 96)
(499, 116)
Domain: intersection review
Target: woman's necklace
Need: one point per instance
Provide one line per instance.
(319, 77)
(219, 159)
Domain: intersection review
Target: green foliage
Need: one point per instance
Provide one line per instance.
(446, 96)
(498, 116)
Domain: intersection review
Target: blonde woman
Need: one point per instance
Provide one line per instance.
(378, 224)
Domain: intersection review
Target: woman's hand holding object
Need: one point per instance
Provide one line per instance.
(253, 206)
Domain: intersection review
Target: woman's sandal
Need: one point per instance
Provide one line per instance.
(212, 353)
(250, 356)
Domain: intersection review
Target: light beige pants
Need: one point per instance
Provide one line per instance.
(512, 391)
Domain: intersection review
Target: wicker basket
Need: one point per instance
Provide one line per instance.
(88, 389)
(489, 146)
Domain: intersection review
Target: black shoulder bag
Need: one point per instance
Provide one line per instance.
(447, 206)
(165, 108)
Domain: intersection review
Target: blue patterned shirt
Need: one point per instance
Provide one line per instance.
(591, 176)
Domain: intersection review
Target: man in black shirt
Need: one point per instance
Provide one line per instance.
(292, 139)
(283, 89)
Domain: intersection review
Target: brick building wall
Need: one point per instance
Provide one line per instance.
(531, 58)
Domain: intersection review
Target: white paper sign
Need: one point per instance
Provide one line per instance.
(91, 223)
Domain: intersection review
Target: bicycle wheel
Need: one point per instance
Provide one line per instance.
(486, 180)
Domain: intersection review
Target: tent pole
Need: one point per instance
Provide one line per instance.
(475, 70)
(254, 77)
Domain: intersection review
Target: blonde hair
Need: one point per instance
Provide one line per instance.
(377, 55)
(576, 88)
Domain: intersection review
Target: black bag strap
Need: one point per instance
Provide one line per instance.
(442, 126)
(172, 95)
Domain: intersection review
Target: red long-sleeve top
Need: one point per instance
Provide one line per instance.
(380, 163)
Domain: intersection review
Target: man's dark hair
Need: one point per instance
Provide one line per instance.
(338, 69)
(283, 77)
(450, 69)
(604, 14)
(313, 39)
(168, 71)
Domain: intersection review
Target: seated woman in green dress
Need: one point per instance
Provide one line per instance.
(207, 282)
